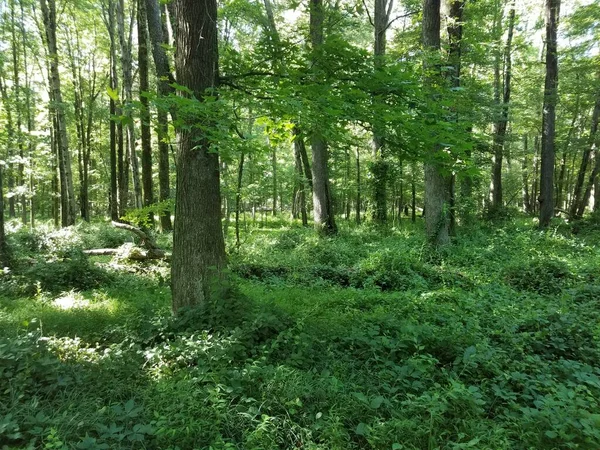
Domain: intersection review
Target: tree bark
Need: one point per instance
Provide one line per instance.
(380, 166)
(198, 244)
(142, 29)
(437, 217)
(58, 109)
(546, 198)
(113, 80)
(502, 123)
(578, 203)
(322, 202)
(127, 71)
(164, 89)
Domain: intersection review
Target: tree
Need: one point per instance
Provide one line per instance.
(57, 108)
(503, 102)
(546, 198)
(164, 88)
(322, 202)
(145, 114)
(198, 244)
(437, 181)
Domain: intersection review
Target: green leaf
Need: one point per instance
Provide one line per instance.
(112, 93)
(376, 402)
(361, 429)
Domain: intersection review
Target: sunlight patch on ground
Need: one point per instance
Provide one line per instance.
(71, 300)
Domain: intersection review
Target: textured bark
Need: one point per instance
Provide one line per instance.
(546, 198)
(437, 217)
(164, 88)
(322, 201)
(142, 29)
(502, 123)
(358, 188)
(455, 36)
(198, 244)
(57, 108)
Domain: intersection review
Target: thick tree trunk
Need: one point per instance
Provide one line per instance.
(322, 202)
(198, 244)
(358, 188)
(437, 217)
(525, 177)
(57, 108)
(546, 198)
(142, 29)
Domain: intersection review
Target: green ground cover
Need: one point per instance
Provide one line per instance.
(366, 340)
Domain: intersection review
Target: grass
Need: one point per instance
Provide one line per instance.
(365, 341)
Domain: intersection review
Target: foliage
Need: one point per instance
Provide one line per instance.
(449, 354)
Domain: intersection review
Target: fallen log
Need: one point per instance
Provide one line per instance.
(147, 249)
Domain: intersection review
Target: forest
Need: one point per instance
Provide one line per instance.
(282, 224)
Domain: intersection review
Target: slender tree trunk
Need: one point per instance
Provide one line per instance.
(525, 177)
(115, 178)
(164, 80)
(455, 35)
(198, 244)
(501, 124)
(358, 188)
(238, 198)
(142, 29)
(57, 107)
(302, 180)
(546, 198)
(322, 201)
(127, 70)
(578, 203)
(380, 166)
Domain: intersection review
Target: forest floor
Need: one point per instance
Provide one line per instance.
(367, 340)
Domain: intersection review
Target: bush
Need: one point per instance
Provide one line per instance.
(71, 270)
(544, 276)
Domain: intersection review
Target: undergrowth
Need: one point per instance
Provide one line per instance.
(360, 341)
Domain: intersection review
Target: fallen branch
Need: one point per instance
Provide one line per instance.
(147, 249)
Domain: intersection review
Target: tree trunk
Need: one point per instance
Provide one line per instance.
(302, 182)
(114, 81)
(358, 189)
(142, 29)
(164, 78)
(437, 217)
(380, 166)
(578, 204)
(455, 36)
(238, 198)
(322, 202)
(525, 177)
(57, 108)
(502, 123)
(546, 198)
(198, 244)
(127, 70)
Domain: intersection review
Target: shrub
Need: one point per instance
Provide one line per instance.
(544, 276)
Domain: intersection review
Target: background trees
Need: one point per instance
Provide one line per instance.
(306, 92)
